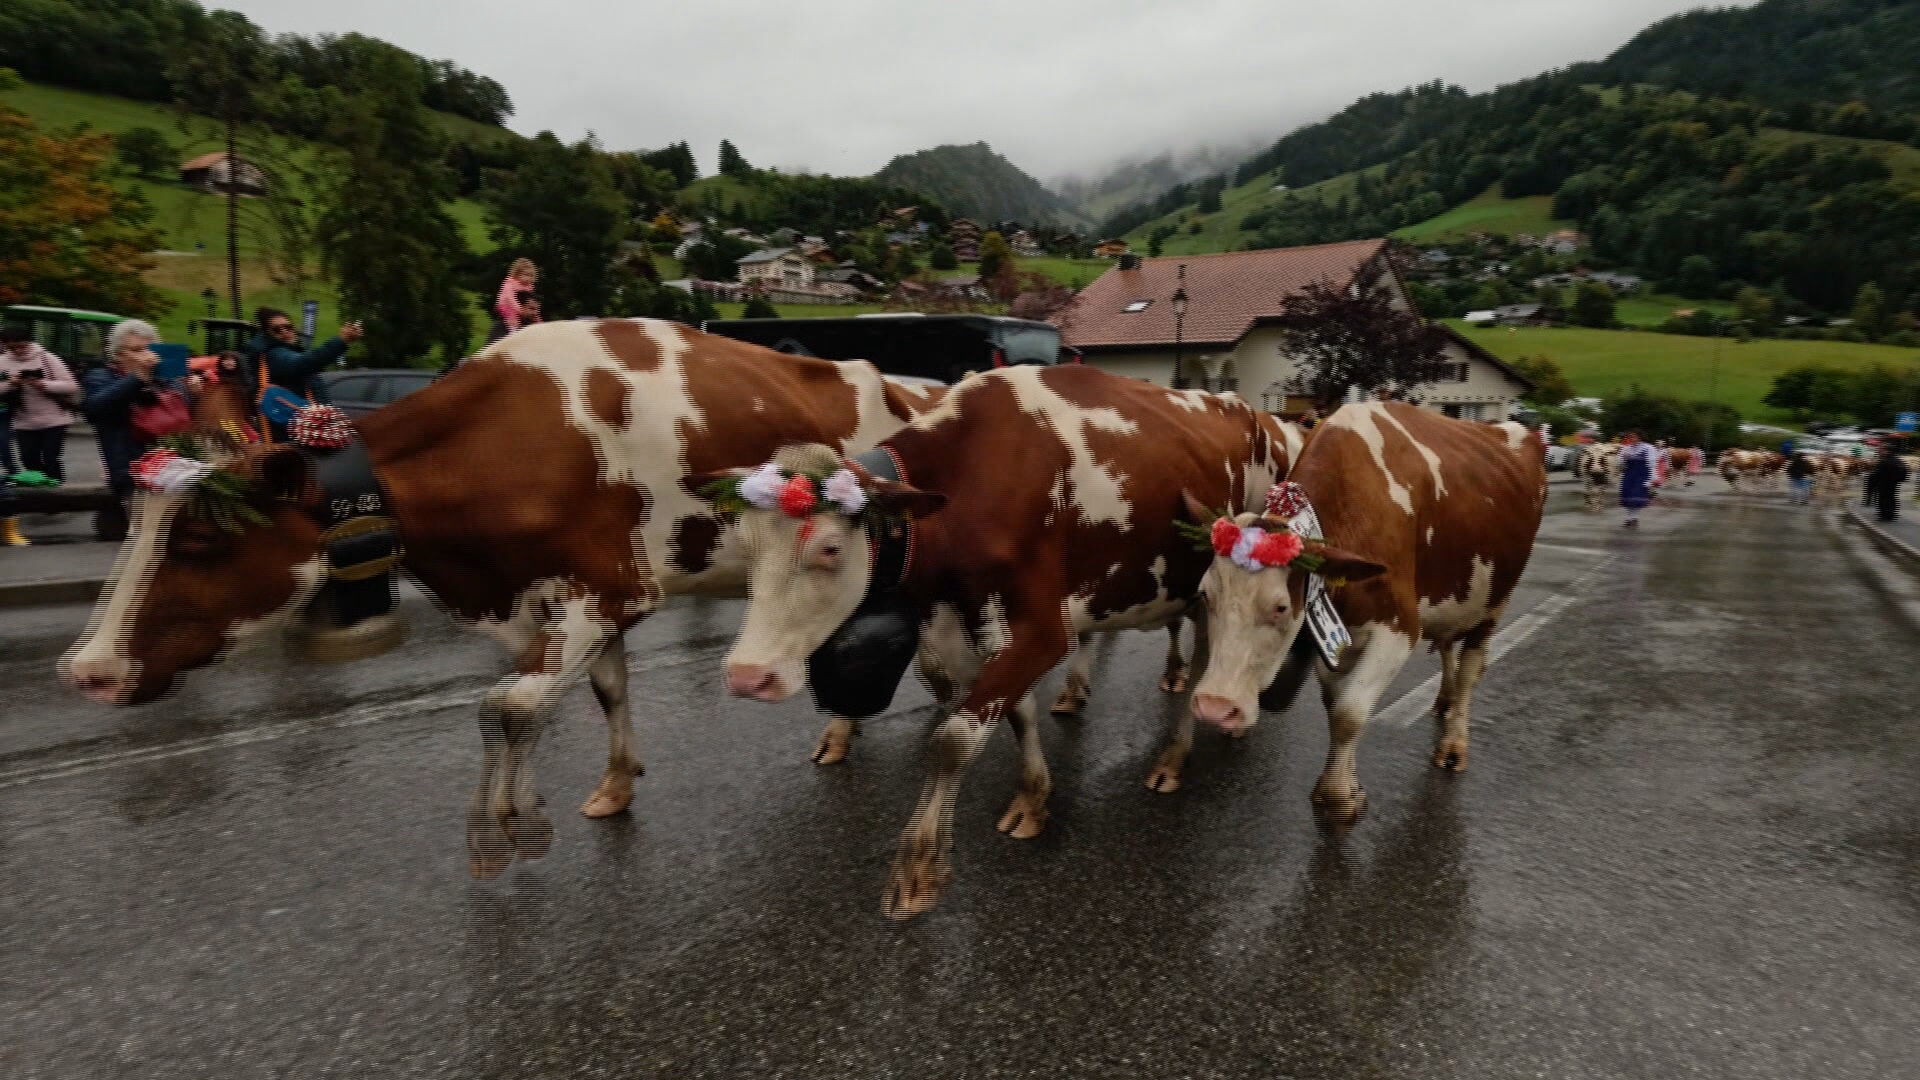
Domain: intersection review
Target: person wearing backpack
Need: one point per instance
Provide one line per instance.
(286, 381)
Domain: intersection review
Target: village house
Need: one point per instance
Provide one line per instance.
(1110, 249)
(776, 266)
(212, 174)
(1509, 315)
(1124, 323)
(1023, 243)
(964, 237)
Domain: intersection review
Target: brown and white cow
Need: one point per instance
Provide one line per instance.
(1598, 468)
(1752, 471)
(1428, 524)
(1057, 491)
(536, 491)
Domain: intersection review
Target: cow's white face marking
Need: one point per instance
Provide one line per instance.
(307, 579)
(1251, 623)
(103, 651)
(1449, 616)
(806, 578)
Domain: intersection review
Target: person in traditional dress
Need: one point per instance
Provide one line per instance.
(1883, 484)
(1636, 476)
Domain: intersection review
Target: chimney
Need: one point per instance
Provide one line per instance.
(1129, 261)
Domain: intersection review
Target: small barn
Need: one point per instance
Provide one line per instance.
(214, 174)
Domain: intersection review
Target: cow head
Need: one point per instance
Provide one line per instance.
(810, 565)
(195, 578)
(1253, 615)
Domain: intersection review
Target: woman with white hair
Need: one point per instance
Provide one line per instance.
(111, 394)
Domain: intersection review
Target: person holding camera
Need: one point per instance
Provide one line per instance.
(47, 393)
(276, 351)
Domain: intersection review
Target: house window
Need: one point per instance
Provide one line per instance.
(1136, 307)
(1462, 372)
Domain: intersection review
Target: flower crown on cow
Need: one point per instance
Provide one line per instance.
(1258, 547)
(178, 465)
(793, 492)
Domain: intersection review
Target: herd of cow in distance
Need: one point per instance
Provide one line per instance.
(556, 489)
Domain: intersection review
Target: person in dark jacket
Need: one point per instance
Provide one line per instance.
(1883, 484)
(1800, 479)
(277, 346)
(109, 394)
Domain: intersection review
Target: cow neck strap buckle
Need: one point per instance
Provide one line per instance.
(890, 539)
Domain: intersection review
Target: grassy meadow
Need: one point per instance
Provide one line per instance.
(1487, 213)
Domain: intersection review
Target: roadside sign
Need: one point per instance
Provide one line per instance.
(1907, 421)
(309, 318)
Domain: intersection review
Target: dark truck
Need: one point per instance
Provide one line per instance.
(936, 348)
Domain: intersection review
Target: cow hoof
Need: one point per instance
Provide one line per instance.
(1025, 816)
(613, 796)
(1164, 779)
(1450, 754)
(1174, 682)
(920, 874)
(489, 848)
(836, 742)
(1334, 807)
(1069, 704)
(532, 833)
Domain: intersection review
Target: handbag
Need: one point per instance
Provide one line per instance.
(164, 415)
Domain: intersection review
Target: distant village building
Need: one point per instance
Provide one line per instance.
(964, 237)
(1509, 315)
(1022, 243)
(1110, 249)
(213, 174)
(1124, 323)
(776, 266)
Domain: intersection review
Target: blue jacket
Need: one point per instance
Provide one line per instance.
(295, 370)
(109, 396)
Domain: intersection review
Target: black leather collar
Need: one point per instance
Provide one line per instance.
(891, 538)
(359, 542)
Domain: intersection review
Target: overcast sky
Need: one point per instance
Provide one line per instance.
(1058, 86)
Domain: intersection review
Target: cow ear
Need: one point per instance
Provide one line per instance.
(1197, 511)
(284, 474)
(1343, 564)
(696, 484)
(895, 498)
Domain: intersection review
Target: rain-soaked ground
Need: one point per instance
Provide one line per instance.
(1688, 845)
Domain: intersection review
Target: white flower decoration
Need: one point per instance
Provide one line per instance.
(844, 491)
(179, 474)
(1242, 554)
(762, 488)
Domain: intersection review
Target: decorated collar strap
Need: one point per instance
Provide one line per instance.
(793, 493)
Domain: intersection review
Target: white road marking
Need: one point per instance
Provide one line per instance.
(1418, 701)
(1597, 552)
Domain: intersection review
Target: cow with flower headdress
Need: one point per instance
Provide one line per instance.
(533, 492)
(1031, 506)
(1396, 526)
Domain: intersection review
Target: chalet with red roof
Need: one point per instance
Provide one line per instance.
(1124, 322)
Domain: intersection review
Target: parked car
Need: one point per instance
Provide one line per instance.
(359, 391)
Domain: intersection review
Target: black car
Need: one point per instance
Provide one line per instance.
(359, 391)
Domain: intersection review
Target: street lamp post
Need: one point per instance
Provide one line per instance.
(1179, 330)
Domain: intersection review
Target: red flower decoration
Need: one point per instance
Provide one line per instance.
(1286, 500)
(146, 470)
(1225, 535)
(797, 498)
(1277, 549)
(322, 427)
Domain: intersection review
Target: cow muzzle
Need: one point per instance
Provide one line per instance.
(105, 679)
(756, 681)
(1226, 715)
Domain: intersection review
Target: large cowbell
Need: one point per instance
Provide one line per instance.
(356, 613)
(856, 672)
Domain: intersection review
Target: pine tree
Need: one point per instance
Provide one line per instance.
(759, 307)
(731, 163)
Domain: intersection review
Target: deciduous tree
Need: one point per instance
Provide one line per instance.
(1341, 341)
(144, 150)
(560, 208)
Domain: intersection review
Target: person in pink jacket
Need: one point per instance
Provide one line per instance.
(515, 306)
(47, 392)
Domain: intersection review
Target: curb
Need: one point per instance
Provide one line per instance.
(1886, 541)
(57, 591)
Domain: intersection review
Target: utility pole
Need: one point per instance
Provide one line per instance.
(233, 203)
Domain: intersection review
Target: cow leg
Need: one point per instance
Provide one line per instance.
(608, 676)
(1178, 674)
(1165, 775)
(921, 864)
(1450, 752)
(1449, 670)
(1026, 815)
(505, 819)
(836, 739)
(1350, 697)
(1074, 695)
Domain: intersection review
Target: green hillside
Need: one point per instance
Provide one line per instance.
(974, 181)
(1603, 363)
(1488, 213)
(1225, 230)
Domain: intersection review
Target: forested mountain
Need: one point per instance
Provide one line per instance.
(974, 181)
(1789, 189)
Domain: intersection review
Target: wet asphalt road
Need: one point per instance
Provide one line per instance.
(1688, 845)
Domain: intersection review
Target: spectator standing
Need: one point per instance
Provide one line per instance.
(10, 533)
(127, 380)
(47, 393)
(1636, 477)
(516, 305)
(1800, 479)
(276, 351)
(1883, 484)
